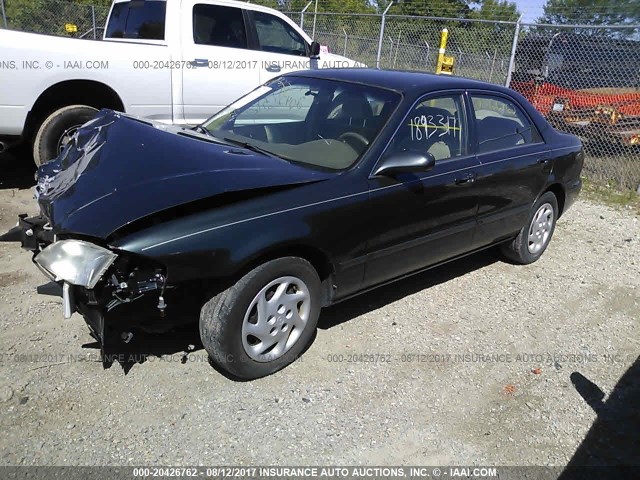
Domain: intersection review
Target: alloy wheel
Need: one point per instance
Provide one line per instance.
(540, 228)
(276, 318)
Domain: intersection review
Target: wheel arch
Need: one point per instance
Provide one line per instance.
(70, 92)
(558, 190)
(319, 259)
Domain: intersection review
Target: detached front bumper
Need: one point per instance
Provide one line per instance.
(33, 233)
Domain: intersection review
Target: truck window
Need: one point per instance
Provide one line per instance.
(142, 20)
(277, 36)
(218, 25)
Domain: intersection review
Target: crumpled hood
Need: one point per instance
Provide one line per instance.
(119, 169)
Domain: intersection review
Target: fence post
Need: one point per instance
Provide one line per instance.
(493, 64)
(384, 17)
(346, 39)
(426, 61)
(4, 14)
(514, 46)
(395, 58)
(315, 15)
(302, 15)
(93, 18)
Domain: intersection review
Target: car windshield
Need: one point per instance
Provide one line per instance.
(325, 123)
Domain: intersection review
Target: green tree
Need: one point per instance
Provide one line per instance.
(488, 36)
(496, 10)
(591, 12)
(333, 6)
(432, 8)
(50, 16)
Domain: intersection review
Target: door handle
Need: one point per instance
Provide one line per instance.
(273, 67)
(200, 62)
(467, 179)
(546, 164)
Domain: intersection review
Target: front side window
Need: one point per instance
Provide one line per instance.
(277, 36)
(219, 26)
(135, 19)
(501, 124)
(434, 126)
(324, 123)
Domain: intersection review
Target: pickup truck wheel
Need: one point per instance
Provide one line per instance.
(263, 322)
(58, 129)
(535, 236)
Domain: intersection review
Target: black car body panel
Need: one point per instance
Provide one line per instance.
(120, 169)
(199, 209)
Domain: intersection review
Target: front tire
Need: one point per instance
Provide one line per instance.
(263, 322)
(57, 129)
(535, 236)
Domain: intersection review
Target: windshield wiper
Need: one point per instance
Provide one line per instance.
(253, 148)
(201, 129)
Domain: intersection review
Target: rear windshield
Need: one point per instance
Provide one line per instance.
(141, 19)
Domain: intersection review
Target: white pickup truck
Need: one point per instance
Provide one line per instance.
(175, 61)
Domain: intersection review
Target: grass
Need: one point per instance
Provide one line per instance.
(611, 195)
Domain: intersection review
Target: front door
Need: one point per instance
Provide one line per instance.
(222, 67)
(423, 219)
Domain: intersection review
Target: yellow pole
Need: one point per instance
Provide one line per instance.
(443, 46)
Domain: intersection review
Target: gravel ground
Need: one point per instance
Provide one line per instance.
(477, 362)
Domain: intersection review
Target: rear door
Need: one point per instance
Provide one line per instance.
(514, 162)
(423, 219)
(222, 67)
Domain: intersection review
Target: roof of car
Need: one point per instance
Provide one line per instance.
(398, 79)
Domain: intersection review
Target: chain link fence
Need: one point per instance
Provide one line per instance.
(481, 49)
(50, 17)
(584, 79)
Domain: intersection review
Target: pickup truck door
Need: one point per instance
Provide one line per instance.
(282, 48)
(219, 67)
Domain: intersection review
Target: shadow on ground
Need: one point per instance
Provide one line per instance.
(16, 169)
(178, 344)
(613, 442)
(385, 295)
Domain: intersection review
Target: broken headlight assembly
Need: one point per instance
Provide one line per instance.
(75, 261)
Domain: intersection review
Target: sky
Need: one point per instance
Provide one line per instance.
(532, 9)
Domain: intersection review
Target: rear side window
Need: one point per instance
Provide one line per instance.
(218, 25)
(501, 124)
(277, 36)
(138, 19)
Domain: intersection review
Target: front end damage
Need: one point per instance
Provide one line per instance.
(92, 277)
(95, 279)
(118, 178)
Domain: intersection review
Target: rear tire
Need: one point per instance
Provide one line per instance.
(57, 129)
(263, 322)
(535, 236)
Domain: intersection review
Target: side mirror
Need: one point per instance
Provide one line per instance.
(406, 162)
(314, 51)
